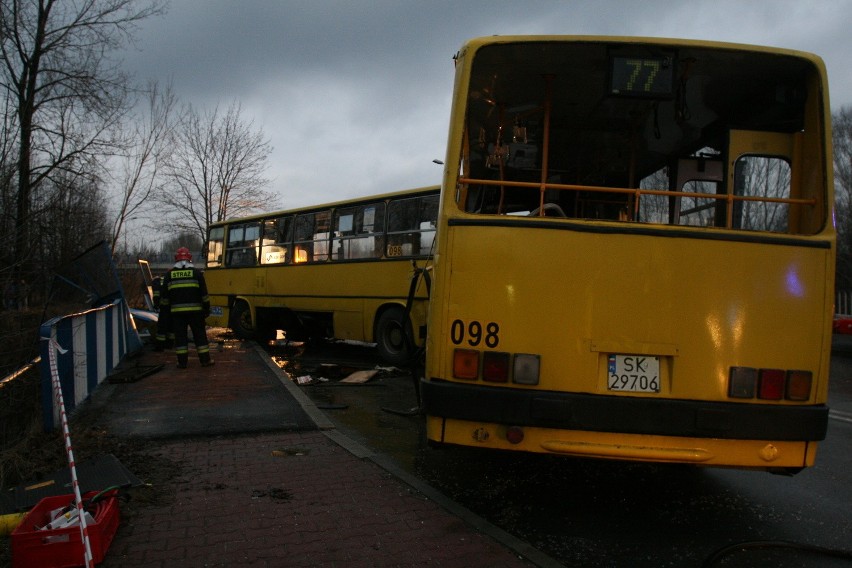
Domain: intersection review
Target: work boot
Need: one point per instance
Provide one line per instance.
(205, 359)
(182, 361)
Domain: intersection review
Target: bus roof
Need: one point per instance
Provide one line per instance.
(476, 43)
(333, 204)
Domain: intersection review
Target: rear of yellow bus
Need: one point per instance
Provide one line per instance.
(635, 253)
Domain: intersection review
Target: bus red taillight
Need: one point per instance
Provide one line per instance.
(466, 364)
(495, 367)
(799, 385)
(770, 384)
(515, 434)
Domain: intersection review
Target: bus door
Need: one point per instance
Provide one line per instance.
(698, 176)
(761, 165)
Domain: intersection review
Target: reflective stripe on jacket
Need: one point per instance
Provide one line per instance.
(184, 290)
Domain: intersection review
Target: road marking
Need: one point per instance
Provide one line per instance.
(842, 416)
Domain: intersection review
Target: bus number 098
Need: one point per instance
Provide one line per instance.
(475, 333)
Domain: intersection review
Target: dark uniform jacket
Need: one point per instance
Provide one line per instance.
(156, 285)
(184, 291)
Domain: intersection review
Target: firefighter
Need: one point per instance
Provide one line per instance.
(184, 294)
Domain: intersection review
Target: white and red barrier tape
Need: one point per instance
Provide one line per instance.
(57, 395)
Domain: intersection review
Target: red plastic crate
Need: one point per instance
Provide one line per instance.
(62, 548)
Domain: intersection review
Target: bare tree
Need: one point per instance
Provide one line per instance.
(148, 147)
(765, 177)
(842, 138)
(66, 91)
(216, 170)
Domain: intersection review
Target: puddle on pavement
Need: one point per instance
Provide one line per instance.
(380, 413)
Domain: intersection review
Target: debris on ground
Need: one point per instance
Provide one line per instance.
(359, 377)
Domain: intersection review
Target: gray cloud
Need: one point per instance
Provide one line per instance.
(355, 95)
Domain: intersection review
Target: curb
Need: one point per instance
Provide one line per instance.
(360, 451)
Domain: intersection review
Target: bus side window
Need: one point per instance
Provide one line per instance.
(311, 235)
(761, 176)
(236, 238)
(303, 238)
(358, 232)
(322, 232)
(694, 178)
(411, 226)
(699, 176)
(215, 246)
(243, 244)
(428, 223)
(277, 234)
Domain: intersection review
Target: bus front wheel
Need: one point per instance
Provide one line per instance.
(240, 320)
(390, 336)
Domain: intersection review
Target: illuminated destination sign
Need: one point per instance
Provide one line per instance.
(641, 76)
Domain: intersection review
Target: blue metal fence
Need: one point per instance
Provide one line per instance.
(89, 347)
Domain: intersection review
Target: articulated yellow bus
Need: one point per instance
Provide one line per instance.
(338, 270)
(635, 253)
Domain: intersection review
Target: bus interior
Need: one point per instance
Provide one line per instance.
(634, 132)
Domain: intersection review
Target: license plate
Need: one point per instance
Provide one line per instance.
(633, 373)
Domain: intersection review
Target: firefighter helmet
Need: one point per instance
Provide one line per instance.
(183, 254)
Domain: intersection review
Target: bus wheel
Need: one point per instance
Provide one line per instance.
(390, 336)
(240, 321)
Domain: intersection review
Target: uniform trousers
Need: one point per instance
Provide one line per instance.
(193, 320)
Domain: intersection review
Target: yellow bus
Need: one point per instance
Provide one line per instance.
(635, 253)
(338, 270)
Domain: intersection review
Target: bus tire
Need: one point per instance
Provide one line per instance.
(240, 320)
(390, 336)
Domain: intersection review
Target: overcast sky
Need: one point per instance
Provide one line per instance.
(354, 95)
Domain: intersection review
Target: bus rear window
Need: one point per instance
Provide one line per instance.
(553, 136)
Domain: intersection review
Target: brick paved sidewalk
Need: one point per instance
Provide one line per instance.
(265, 480)
(294, 499)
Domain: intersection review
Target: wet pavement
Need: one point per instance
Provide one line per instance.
(599, 513)
(269, 473)
(263, 478)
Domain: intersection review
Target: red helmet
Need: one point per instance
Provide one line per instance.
(183, 254)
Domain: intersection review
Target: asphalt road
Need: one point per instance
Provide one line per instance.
(600, 513)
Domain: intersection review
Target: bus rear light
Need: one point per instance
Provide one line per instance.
(515, 434)
(799, 385)
(742, 382)
(495, 367)
(770, 384)
(526, 369)
(465, 364)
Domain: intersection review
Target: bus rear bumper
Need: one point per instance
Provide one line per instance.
(783, 456)
(624, 414)
(626, 451)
